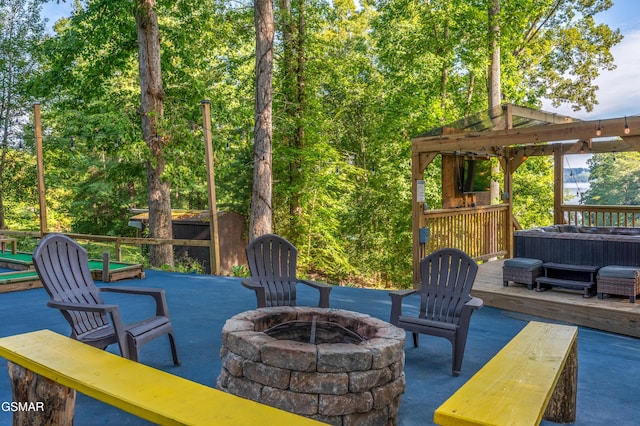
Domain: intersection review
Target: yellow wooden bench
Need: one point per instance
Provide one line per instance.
(146, 392)
(533, 376)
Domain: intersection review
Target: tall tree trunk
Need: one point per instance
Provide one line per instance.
(299, 137)
(151, 111)
(289, 100)
(444, 77)
(494, 48)
(261, 207)
(494, 83)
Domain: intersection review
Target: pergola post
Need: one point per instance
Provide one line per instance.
(416, 175)
(508, 200)
(558, 190)
(419, 162)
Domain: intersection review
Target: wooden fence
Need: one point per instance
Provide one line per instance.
(626, 216)
(117, 242)
(478, 231)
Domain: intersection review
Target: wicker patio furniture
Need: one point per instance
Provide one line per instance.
(521, 270)
(619, 280)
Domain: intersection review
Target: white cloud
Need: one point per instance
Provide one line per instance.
(619, 90)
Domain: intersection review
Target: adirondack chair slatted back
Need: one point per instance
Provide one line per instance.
(64, 270)
(272, 262)
(447, 278)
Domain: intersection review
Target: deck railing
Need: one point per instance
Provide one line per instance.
(626, 216)
(478, 231)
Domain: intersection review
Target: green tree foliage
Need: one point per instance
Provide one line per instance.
(21, 29)
(614, 179)
(353, 82)
(94, 106)
(533, 192)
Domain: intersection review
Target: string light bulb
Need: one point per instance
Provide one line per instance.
(626, 126)
(599, 129)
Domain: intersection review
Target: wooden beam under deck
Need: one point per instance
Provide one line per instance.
(613, 314)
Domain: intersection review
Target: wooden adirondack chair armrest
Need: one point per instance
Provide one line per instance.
(157, 293)
(259, 289)
(396, 303)
(324, 290)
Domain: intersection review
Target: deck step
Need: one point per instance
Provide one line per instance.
(588, 287)
(578, 285)
(568, 267)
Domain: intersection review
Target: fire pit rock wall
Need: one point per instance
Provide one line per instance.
(337, 383)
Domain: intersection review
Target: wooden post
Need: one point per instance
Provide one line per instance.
(119, 250)
(40, 169)
(562, 405)
(106, 259)
(214, 249)
(416, 174)
(508, 200)
(558, 191)
(46, 402)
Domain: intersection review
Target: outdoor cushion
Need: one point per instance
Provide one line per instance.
(616, 271)
(523, 263)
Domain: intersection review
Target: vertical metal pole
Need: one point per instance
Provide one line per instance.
(214, 250)
(40, 169)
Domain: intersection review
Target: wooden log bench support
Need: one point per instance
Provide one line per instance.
(533, 377)
(47, 368)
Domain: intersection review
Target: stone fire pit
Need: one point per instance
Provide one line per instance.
(335, 366)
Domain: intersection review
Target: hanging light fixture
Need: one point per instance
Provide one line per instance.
(626, 126)
(599, 128)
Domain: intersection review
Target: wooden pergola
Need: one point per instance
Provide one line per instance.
(511, 134)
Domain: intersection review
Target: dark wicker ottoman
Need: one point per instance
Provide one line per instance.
(521, 270)
(619, 280)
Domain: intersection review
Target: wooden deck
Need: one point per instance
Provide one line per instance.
(612, 314)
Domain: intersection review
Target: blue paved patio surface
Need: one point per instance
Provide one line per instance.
(608, 369)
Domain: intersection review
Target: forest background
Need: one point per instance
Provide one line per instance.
(353, 82)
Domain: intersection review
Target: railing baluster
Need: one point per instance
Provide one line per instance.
(623, 216)
(477, 230)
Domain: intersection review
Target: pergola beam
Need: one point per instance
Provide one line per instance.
(632, 141)
(544, 116)
(484, 141)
